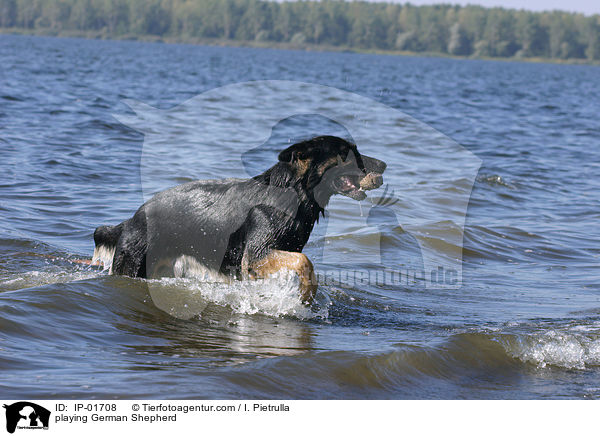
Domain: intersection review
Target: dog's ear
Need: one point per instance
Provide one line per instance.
(288, 155)
(294, 152)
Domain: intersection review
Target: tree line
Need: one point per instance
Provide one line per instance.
(443, 29)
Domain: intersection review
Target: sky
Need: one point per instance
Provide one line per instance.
(588, 7)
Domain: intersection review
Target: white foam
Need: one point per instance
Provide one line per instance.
(572, 348)
(32, 279)
(277, 295)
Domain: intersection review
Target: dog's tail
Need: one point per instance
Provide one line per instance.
(106, 239)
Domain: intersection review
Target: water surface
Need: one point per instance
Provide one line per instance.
(525, 323)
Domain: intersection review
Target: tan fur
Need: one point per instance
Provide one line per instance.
(326, 164)
(371, 181)
(278, 260)
(302, 166)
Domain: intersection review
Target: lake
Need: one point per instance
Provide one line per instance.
(492, 177)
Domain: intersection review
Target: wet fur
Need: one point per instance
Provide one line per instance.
(226, 226)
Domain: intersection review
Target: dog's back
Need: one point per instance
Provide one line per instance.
(201, 219)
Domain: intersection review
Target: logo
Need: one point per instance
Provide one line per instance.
(26, 415)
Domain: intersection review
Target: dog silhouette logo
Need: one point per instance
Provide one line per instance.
(26, 415)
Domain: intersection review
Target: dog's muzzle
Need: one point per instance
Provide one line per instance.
(371, 181)
(374, 169)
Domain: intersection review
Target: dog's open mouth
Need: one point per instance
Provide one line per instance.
(350, 187)
(347, 183)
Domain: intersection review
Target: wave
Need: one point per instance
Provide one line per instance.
(495, 180)
(31, 279)
(577, 347)
(465, 365)
(571, 345)
(463, 361)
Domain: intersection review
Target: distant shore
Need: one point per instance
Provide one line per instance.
(222, 42)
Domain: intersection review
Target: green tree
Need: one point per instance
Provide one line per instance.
(565, 39)
(27, 12)
(592, 50)
(437, 28)
(499, 37)
(117, 16)
(150, 17)
(533, 36)
(8, 13)
(459, 42)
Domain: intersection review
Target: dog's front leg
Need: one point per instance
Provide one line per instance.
(278, 260)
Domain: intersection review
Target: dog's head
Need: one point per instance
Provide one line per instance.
(329, 165)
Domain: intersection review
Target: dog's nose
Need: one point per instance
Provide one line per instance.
(371, 181)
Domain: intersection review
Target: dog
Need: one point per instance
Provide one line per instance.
(240, 228)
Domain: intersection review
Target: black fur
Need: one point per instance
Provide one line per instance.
(225, 224)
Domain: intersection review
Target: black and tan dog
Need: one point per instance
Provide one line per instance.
(240, 228)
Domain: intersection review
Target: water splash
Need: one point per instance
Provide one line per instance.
(277, 295)
(571, 349)
(36, 278)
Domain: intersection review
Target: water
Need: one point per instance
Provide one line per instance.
(525, 323)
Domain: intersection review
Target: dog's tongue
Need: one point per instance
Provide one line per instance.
(347, 184)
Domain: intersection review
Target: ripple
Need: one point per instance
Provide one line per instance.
(495, 180)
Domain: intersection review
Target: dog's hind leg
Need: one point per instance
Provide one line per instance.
(128, 243)
(106, 239)
(278, 260)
